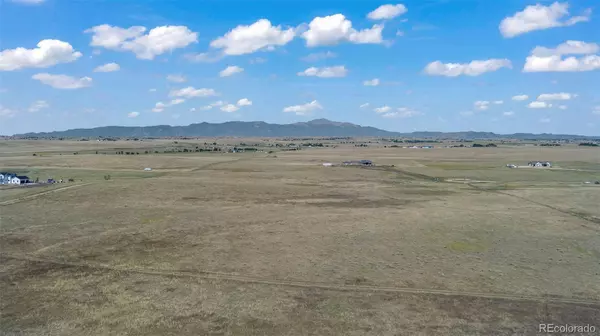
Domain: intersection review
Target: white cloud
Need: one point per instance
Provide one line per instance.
(47, 54)
(520, 97)
(244, 102)
(556, 96)
(229, 108)
(399, 33)
(539, 105)
(545, 120)
(159, 107)
(475, 68)
(203, 57)
(152, 90)
(218, 103)
(63, 81)
(498, 102)
(314, 57)
(563, 107)
(191, 92)
(193, 109)
(365, 105)
(333, 29)
(206, 108)
(230, 70)
(28, 2)
(568, 48)
(38, 105)
(382, 109)
(176, 101)
(405, 112)
(158, 41)
(109, 67)
(133, 114)
(257, 60)
(7, 112)
(258, 36)
(508, 114)
(482, 105)
(304, 109)
(372, 82)
(558, 64)
(327, 72)
(539, 17)
(176, 78)
(386, 12)
(596, 110)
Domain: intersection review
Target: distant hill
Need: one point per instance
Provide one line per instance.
(313, 128)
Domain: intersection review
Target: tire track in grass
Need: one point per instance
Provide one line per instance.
(28, 197)
(207, 275)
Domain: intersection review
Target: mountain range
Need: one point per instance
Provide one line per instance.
(313, 128)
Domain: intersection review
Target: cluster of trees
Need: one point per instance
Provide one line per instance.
(589, 144)
(480, 145)
(550, 144)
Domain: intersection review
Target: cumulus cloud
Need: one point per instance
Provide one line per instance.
(211, 105)
(152, 90)
(567, 48)
(481, 105)
(498, 102)
(38, 105)
(475, 68)
(304, 109)
(563, 107)
(109, 67)
(159, 107)
(244, 102)
(556, 96)
(7, 112)
(327, 72)
(258, 36)
(365, 105)
(157, 41)
(333, 29)
(545, 120)
(557, 64)
(314, 57)
(63, 81)
(520, 97)
(133, 114)
(230, 70)
(539, 105)
(191, 92)
(405, 112)
(544, 59)
(508, 114)
(47, 54)
(372, 82)
(176, 78)
(176, 101)
(386, 12)
(229, 108)
(382, 109)
(203, 57)
(539, 17)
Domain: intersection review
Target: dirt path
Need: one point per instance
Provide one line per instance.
(28, 197)
(306, 284)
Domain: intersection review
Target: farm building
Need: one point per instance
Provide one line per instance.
(21, 179)
(540, 164)
(358, 163)
(7, 178)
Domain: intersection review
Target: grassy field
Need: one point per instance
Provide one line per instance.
(442, 241)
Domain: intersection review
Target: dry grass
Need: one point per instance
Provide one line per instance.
(254, 245)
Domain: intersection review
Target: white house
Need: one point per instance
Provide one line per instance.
(19, 180)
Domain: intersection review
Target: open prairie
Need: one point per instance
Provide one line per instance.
(427, 241)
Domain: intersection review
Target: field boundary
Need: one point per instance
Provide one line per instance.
(306, 284)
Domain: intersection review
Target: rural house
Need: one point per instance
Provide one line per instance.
(5, 178)
(22, 179)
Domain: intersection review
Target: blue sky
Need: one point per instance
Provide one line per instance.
(439, 65)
